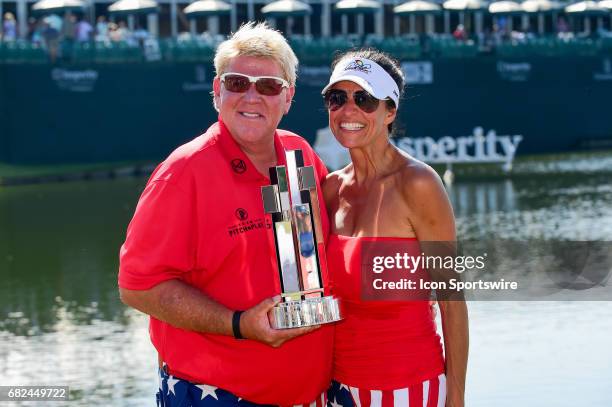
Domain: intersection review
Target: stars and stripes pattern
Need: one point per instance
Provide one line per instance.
(430, 393)
(175, 392)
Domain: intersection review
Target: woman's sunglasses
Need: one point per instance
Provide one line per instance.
(336, 98)
(265, 85)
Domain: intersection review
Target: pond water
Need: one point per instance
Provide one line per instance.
(61, 321)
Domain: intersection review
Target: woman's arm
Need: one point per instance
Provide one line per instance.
(454, 317)
(431, 215)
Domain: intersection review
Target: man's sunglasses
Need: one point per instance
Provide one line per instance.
(265, 85)
(336, 98)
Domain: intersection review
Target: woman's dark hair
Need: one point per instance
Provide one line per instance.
(387, 62)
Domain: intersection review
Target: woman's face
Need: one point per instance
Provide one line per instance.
(353, 127)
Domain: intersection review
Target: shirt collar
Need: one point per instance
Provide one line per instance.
(238, 162)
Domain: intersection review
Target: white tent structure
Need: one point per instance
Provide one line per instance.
(288, 9)
(587, 9)
(465, 7)
(416, 8)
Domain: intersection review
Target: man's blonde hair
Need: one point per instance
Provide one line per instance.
(257, 40)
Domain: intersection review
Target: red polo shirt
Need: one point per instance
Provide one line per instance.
(200, 219)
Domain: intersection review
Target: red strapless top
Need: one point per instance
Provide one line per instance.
(379, 345)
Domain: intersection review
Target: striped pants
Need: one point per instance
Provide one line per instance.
(430, 393)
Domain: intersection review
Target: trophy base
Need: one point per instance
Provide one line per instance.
(308, 312)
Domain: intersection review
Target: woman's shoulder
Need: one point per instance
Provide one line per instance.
(339, 176)
(417, 179)
(425, 200)
(333, 181)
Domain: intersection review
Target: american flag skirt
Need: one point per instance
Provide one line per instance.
(175, 392)
(430, 393)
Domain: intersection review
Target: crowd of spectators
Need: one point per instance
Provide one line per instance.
(502, 32)
(58, 35)
(61, 35)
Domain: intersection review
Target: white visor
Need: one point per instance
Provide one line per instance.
(367, 74)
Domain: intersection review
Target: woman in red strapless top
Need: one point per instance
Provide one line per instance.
(386, 353)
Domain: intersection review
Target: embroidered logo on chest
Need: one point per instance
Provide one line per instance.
(238, 166)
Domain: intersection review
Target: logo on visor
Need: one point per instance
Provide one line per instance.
(358, 65)
(238, 165)
(241, 214)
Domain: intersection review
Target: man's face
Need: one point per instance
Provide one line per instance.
(252, 118)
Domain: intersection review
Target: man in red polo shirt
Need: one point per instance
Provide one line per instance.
(200, 246)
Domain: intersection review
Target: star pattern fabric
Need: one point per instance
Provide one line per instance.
(208, 391)
(171, 383)
(176, 392)
(339, 395)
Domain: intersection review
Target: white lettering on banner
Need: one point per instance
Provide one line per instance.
(475, 148)
(514, 71)
(200, 84)
(75, 81)
(418, 73)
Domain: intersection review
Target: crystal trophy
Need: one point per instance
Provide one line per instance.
(293, 202)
